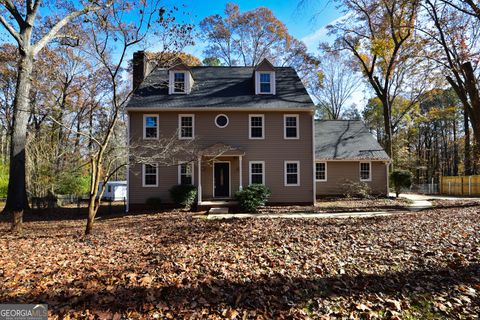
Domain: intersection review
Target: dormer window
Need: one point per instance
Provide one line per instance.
(265, 82)
(180, 78)
(265, 78)
(179, 82)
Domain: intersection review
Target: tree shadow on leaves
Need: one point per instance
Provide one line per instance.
(274, 293)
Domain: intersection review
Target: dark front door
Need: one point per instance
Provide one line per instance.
(222, 179)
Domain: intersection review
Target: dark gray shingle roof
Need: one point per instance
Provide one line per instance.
(346, 140)
(222, 87)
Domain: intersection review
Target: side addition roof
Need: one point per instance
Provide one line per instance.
(346, 140)
(222, 87)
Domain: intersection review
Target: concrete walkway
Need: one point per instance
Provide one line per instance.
(422, 201)
(416, 196)
(296, 215)
(419, 202)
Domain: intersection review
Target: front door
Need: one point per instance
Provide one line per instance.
(222, 179)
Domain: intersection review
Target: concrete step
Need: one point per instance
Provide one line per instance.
(218, 210)
(218, 203)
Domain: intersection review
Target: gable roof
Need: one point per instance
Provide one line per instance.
(222, 87)
(265, 65)
(346, 140)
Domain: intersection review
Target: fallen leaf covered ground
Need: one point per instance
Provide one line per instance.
(331, 205)
(168, 265)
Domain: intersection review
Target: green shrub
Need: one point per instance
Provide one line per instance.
(356, 189)
(183, 195)
(72, 183)
(400, 179)
(3, 180)
(252, 197)
(154, 202)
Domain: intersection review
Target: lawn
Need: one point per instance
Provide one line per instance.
(170, 265)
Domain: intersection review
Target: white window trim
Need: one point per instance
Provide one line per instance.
(250, 171)
(180, 171)
(285, 126)
(326, 171)
(180, 126)
(250, 116)
(272, 82)
(369, 169)
(171, 87)
(143, 177)
(219, 115)
(285, 173)
(145, 126)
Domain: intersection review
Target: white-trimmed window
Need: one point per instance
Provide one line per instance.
(179, 81)
(257, 172)
(264, 82)
(149, 175)
(365, 171)
(256, 126)
(185, 173)
(150, 126)
(291, 126)
(186, 126)
(321, 171)
(292, 173)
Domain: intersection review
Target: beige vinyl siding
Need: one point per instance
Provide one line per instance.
(338, 172)
(274, 150)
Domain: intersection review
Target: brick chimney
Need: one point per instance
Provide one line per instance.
(141, 68)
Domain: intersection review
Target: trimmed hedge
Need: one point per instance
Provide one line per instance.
(400, 179)
(253, 197)
(183, 195)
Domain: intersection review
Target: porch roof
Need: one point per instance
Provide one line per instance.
(221, 149)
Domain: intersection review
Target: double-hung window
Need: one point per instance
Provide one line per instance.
(265, 82)
(150, 126)
(365, 171)
(150, 175)
(256, 126)
(292, 173)
(179, 82)
(321, 171)
(185, 173)
(257, 172)
(291, 126)
(186, 126)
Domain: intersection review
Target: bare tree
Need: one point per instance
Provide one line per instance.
(334, 84)
(246, 38)
(31, 37)
(380, 35)
(109, 46)
(455, 47)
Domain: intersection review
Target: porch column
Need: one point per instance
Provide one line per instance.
(240, 172)
(199, 188)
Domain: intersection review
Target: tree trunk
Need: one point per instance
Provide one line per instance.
(456, 158)
(17, 194)
(91, 214)
(467, 147)
(388, 131)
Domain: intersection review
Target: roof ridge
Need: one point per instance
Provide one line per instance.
(339, 120)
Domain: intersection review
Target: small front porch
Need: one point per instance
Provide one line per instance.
(219, 175)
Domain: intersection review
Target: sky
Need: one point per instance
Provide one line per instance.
(306, 22)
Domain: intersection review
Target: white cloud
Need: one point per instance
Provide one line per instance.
(312, 40)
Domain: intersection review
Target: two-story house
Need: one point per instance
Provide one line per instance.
(250, 125)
